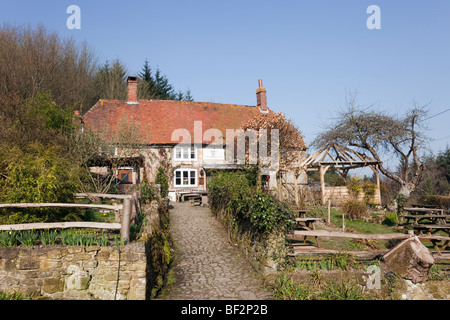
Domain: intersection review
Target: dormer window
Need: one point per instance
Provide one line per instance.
(185, 153)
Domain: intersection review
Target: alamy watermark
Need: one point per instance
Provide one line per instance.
(241, 146)
(74, 20)
(373, 280)
(374, 20)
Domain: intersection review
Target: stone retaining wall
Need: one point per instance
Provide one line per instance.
(264, 253)
(65, 272)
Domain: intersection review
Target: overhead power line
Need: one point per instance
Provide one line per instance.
(436, 114)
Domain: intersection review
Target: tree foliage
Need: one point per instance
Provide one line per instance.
(39, 174)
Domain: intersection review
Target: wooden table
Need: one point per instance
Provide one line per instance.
(429, 220)
(307, 224)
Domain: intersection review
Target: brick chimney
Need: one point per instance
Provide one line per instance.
(261, 99)
(132, 90)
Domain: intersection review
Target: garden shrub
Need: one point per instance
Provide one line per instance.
(147, 192)
(163, 181)
(357, 185)
(232, 192)
(36, 174)
(354, 209)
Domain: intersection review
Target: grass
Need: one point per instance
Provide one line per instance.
(316, 288)
(11, 295)
(357, 225)
(342, 244)
(342, 261)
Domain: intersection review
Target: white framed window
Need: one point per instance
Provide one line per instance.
(185, 153)
(185, 178)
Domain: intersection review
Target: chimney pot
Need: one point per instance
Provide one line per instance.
(132, 90)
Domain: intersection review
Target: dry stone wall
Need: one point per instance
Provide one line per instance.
(62, 272)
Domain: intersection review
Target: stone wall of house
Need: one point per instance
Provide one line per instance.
(135, 271)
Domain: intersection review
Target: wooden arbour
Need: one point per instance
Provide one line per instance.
(342, 159)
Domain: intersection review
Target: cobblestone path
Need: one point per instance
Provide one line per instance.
(207, 266)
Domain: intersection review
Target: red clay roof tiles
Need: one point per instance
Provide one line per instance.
(159, 118)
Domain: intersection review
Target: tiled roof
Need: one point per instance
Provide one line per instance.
(159, 118)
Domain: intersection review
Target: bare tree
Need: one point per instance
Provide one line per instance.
(35, 60)
(382, 135)
(101, 153)
(291, 143)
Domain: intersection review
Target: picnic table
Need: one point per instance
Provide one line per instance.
(423, 210)
(429, 220)
(435, 215)
(439, 219)
(307, 223)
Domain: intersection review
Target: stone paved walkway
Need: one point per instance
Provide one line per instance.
(207, 266)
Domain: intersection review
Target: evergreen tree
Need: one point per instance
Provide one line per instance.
(146, 83)
(188, 96)
(164, 90)
(157, 86)
(179, 96)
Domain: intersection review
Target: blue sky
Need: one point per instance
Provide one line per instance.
(310, 54)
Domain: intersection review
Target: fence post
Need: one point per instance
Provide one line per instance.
(137, 205)
(329, 211)
(133, 206)
(343, 222)
(125, 229)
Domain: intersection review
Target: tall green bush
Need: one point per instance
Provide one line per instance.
(35, 174)
(163, 181)
(233, 193)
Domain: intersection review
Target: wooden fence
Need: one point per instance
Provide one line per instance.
(127, 210)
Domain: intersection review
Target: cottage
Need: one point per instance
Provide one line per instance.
(191, 138)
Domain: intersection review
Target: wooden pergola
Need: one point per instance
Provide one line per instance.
(342, 159)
